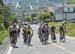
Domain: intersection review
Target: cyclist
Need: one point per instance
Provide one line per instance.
(40, 34)
(24, 34)
(13, 36)
(62, 33)
(45, 33)
(18, 32)
(29, 33)
(53, 36)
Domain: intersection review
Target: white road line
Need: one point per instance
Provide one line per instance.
(61, 47)
(9, 51)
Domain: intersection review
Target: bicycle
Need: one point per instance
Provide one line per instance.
(53, 37)
(62, 37)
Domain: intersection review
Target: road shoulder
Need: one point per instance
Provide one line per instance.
(5, 46)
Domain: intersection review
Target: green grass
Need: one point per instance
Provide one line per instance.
(3, 35)
(71, 2)
(70, 28)
(56, 24)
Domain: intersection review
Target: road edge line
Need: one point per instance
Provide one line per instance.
(9, 50)
(63, 48)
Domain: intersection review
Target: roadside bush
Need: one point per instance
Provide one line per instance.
(3, 35)
(43, 16)
(28, 18)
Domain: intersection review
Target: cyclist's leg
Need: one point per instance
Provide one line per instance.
(42, 38)
(10, 35)
(12, 41)
(54, 37)
(24, 37)
(15, 40)
(39, 36)
(19, 33)
(46, 35)
(63, 37)
(60, 36)
(29, 40)
(51, 36)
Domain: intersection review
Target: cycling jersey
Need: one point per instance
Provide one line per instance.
(28, 30)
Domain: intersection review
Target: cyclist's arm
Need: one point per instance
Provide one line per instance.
(65, 28)
(31, 32)
(48, 30)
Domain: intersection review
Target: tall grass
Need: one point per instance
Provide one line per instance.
(3, 35)
(70, 28)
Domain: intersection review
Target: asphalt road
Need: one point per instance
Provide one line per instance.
(37, 48)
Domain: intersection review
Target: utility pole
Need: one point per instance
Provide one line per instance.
(46, 6)
(63, 9)
(10, 9)
(54, 10)
(5, 2)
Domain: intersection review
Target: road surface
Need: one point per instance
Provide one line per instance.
(37, 48)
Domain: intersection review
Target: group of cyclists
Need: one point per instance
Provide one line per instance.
(44, 31)
(43, 34)
(14, 32)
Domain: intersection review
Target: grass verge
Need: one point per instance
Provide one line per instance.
(3, 35)
(70, 27)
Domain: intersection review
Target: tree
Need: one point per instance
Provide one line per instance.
(4, 11)
(1, 19)
(51, 14)
(2, 16)
(28, 18)
(43, 16)
(13, 18)
(52, 18)
(1, 22)
(1, 2)
(7, 16)
(33, 15)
